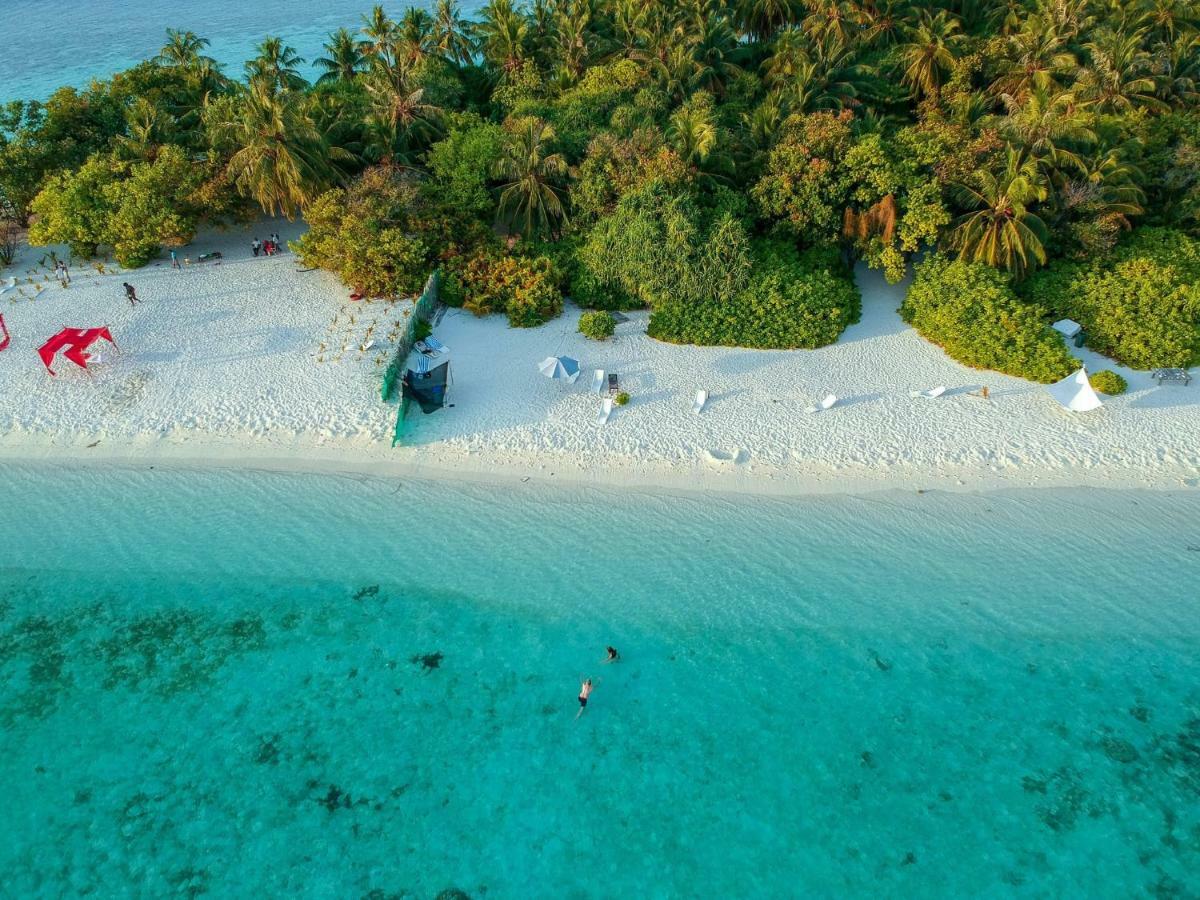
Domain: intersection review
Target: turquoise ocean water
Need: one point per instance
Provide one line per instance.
(264, 684)
(51, 43)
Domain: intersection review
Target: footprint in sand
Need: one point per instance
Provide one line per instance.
(124, 395)
(728, 457)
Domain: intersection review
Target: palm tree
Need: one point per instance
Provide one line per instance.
(1000, 229)
(276, 66)
(279, 159)
(929, 52)
(344, 61)
(762, 18)
(414, 37)
(1035, 58)
(452, 34)
(400, 121)
(529, 201)
(714, 46)
(503, 33)
(379, 34)
(183, 50)
(573, 39)
(1044, 124)
(1118, 78)
(692, 134)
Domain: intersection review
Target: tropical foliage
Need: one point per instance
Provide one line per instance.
(970, 311)
(660, 152)
(1140, 305)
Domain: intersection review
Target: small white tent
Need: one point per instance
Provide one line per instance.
(1075, 392)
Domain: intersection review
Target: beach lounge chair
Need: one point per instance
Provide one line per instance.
(424, 349)
(825, 404)
(435, 345)
(931, 394)
(613, 384)
(598, 382)
(606, 408)
(698, 403)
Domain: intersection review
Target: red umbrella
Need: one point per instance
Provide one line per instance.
(4, 329)
(76, 341)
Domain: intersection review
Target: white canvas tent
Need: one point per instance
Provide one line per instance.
(1075, 392)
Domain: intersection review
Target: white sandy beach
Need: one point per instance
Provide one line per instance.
(240, 363)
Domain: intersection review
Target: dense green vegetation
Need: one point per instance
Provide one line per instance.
(1108, 382)
(709, 159)
(970, 311)
(598, 324)
(1139, 304)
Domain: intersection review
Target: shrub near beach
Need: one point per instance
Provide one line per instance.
(971, 312)
(598, 324)
(526, 290)
(1140, 305)
(792, 300)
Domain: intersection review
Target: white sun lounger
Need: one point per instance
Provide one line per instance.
(435, 345)
(827, 403)
(698, 403)
(931, 394)
(598, 382)
(605, 411)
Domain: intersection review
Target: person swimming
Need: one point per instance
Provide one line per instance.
(585, 691)
(612, 655)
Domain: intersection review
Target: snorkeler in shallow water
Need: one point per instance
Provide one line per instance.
(611, 656)
(585, 691)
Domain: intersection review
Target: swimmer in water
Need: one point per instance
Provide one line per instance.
(612, 655)
(585, 691)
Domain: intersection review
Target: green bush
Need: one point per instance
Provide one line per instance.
(1139, 305)
(1108, 382)
(524, 289)
(792, 301)
(621, 399)
(597, 324)
(971, 312)
(384, 233)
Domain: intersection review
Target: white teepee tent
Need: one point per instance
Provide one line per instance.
(1075, 392)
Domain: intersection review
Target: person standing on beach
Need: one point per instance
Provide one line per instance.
(256, 245)
(64, 276)
(585, 691)
(130, 293)
(275, 241)
(175, 261)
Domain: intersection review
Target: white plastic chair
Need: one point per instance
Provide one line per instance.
(931, 394)
(825, 404)
(606, 409)
(598, 382)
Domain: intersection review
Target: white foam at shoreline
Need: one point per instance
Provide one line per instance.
(219, 366)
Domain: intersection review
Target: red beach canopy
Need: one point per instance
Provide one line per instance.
(76, 340)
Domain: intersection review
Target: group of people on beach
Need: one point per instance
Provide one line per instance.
(269, 247)
(587, 684)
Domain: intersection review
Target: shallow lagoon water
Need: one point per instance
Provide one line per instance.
(254, 684)
(52, 43)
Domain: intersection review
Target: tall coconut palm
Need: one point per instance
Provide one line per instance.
(762, 18)
(1035, 57)
(414, 35)
(714, 48)
(344, 60)
(503, 34)
(278, 158)
(1117, 78)
(692, 133)
(401, 122)
(1000, 228)
(929, 52)
(379, 34)
(452, 34)
(276, 66)
(530, 201)
(183, 50)
(1046, 126)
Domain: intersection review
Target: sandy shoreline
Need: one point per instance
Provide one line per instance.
(256, 364)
